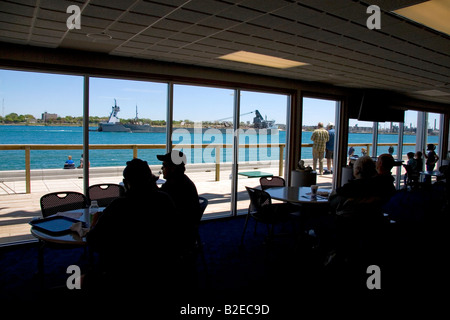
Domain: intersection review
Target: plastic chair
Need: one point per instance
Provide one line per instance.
(54, 202)
(269, 182)
(105, 193)
(262, 210)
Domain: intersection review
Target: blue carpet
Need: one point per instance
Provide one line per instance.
(287, 274)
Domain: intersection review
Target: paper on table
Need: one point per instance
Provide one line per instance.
(323, 193)
(78, 228)
(70, 214)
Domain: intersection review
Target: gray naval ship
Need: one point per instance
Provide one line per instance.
(114, 125)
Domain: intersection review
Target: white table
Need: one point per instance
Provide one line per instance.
(67, 240)
(297, 194)
(430, 174)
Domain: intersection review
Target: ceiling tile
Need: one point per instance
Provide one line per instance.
(15, 19)
(171, 25)
(239, 13)
(201, 30)
(153, 9)
(189, 16)
(138, 19)
(330, 35)
(212, 7)
(18, 9)
(13, 27)
(218, 22)
(115, 4)
(58, 5)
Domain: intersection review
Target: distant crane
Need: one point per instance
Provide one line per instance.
(244, 114)
(258, 121)
(226, 124)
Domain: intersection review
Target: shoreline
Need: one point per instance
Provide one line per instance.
(94, 172)
(193, 127)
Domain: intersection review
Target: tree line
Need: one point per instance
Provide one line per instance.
(14, 118)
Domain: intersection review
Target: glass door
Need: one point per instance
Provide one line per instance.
(203, 129)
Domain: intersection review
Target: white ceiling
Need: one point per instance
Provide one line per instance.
(331, 36)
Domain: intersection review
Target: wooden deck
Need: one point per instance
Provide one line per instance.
(17, 208)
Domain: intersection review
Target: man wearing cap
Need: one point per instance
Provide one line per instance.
(183, 192)
(131, 231)
(329, 147)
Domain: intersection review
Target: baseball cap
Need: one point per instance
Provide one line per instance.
(175, 157)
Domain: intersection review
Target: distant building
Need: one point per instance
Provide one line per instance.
(49, 116)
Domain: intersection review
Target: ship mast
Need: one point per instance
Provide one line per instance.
(113, 117)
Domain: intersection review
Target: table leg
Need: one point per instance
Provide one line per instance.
(41, 263)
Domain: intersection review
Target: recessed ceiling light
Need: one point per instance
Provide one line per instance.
(433, 93)
(433, 14)
(99, 36)
(262, 60)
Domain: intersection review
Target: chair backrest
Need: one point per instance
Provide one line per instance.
(203, 204)
(409, 170)
(54, 202)
(258, 199)
(104, 193)
(268, 182)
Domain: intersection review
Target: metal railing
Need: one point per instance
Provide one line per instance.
(136, 147)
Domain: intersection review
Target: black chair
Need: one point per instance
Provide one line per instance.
(269, 182)
(263, 210)
(54, 202)
(203, 204)
(105, 193)
(412, 177)
(445, 171)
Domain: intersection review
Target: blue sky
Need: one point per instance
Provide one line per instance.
(34, 93)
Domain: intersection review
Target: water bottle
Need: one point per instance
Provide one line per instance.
(93, 208)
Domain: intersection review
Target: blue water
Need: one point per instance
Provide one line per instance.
(15, 160)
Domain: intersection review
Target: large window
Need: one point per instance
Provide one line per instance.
(39, 111)
(262, 138)
(203, 116)
(131, 114)
(39, 108)
(317, 111)
(433, 132)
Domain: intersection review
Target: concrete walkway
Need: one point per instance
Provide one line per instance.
(17, 208)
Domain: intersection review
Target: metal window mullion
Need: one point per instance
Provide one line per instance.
(235, 165)
(169, 117)
(86, 135)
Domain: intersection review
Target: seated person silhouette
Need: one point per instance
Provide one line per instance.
(69, 164)
(358, 210)
(183, 192)
(132, 237)
(384, 181)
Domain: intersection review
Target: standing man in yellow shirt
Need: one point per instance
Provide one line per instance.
(319, 137)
